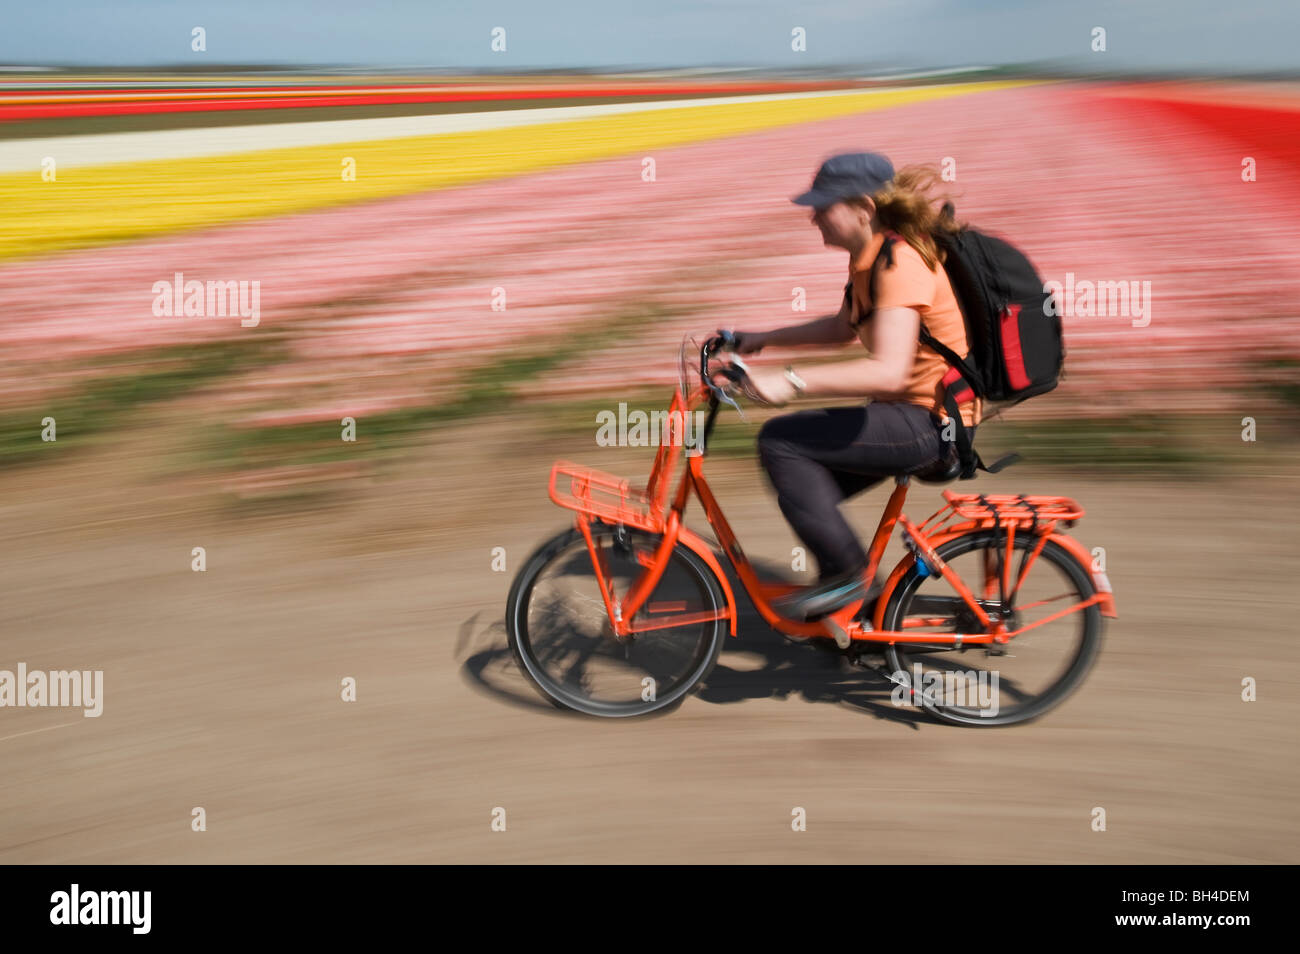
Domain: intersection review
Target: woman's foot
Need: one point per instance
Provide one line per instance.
(829, 595)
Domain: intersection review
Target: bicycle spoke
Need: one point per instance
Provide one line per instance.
(568, 642)
(1050, 599)
(1025, 672)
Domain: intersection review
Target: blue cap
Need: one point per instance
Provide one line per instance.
(845, 176)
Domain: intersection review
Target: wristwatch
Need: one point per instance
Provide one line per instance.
(800, 385)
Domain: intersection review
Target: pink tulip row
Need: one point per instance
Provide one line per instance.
(386, 304)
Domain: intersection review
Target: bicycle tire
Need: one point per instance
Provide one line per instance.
(521, 641)
(1081, 662)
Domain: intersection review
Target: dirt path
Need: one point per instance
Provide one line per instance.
(222, 688)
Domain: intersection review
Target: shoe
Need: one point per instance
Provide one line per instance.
(828, 596)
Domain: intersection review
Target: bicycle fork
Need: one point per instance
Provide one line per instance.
(622, 611)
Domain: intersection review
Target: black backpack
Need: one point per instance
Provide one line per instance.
(1016, 347)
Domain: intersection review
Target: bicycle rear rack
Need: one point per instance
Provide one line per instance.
(1005, 510)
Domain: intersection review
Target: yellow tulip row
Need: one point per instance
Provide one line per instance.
(95, 205)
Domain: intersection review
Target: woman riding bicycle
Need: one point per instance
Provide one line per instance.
(818, 458)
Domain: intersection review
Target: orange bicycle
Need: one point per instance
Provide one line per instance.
(624, 613)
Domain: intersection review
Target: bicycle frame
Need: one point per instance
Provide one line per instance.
(598, 497)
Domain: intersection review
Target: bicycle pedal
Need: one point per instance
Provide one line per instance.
(861, 660)
(840, 634)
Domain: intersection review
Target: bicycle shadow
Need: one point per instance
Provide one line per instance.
(763, 664)
(760, 664)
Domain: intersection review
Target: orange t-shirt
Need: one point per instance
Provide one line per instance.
(909, 283)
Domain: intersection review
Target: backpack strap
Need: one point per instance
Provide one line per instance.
(961, 384)
(962, 365)
(957, 390)
(884, 259)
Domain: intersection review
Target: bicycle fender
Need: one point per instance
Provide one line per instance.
(1106, 601)
(1099, 578)
(700, 548)
(900, 570)
(878, 618)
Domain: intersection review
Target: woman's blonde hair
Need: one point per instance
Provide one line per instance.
(909, 205)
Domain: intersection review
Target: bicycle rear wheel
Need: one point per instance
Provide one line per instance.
(996, 684)
(561, 635)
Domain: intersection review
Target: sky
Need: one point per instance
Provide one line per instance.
(1195, 35)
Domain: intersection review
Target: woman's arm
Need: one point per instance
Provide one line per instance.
(829, 329)
(893, 348)
(902, 290)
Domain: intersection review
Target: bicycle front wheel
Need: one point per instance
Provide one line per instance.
(996, 684)
(561, 635)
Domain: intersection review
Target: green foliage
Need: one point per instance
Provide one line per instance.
(121, 387)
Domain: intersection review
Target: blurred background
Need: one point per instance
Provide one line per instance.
(457, 236)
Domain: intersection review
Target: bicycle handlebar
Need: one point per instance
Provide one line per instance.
(736, 372)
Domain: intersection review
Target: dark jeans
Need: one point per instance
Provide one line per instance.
(816, 459)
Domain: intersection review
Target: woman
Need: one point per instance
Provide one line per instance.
(818, 458)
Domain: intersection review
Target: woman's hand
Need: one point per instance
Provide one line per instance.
(749, 342)
(771, 385)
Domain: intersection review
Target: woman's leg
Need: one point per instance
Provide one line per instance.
(816, 459)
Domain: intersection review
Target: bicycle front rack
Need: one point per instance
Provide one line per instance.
(603, 496)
